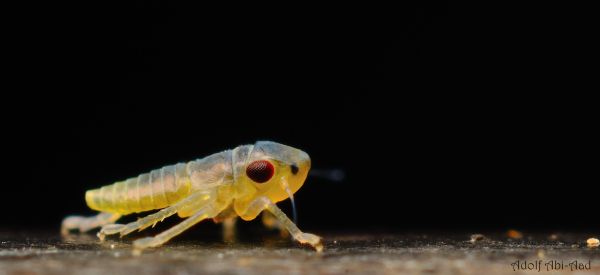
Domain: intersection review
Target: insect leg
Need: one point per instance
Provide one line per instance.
(229, 230)
(262, 203)
(228, 217)
(84, 224)
(204, 213)
(150, 220)
(311, 239)
(270, 222)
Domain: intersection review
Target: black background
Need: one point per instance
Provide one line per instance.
(439, 120)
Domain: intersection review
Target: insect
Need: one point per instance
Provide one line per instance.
(242, 182)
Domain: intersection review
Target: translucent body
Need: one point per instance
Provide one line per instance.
(213, 187)
(162, 187)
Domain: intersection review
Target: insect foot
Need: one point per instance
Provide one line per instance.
(140, 244)
(143, 243)
(311, 239)
(109, 229)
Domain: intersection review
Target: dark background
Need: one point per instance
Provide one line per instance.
(440, 121)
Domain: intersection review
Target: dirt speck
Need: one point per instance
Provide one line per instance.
(593, 242)
(477, 238)
(514, 234)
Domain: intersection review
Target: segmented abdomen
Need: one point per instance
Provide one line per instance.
(157, 189)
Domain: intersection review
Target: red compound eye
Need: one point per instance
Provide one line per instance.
(260, 171)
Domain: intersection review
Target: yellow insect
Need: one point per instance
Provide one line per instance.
(240, 182)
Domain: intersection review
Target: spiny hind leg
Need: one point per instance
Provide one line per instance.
(204, 213)
(150, 220)
(141, 224)
(84, 224)
(271, 222)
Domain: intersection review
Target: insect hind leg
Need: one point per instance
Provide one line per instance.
(202, 214)
(150, 220)
(84, 224)
(141, 224)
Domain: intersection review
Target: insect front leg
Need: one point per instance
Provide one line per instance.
(270, 222)
(84, 224)
(150, 220)
(301, 237)
(263, 203)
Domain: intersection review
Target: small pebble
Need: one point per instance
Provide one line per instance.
(541, 254)
(593, 242)
(477, 238)
(514, 234)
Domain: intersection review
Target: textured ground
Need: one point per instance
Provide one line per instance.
(49, 253)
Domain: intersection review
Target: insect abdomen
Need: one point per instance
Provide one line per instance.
(157, 189)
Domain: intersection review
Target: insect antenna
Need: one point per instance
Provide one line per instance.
(291, 196)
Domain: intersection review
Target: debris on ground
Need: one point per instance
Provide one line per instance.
(205, 251)
(593, 242)
(514, 234)
(477, 238)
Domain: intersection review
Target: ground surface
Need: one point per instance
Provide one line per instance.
(49, 253)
